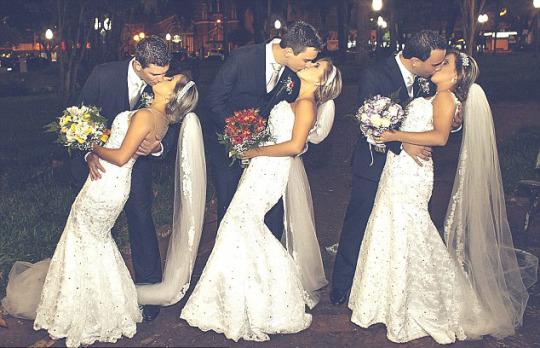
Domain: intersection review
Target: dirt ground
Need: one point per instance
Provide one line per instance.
(328, 168)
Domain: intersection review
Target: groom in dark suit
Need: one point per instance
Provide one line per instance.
(423, 54)
(117, 87)
(253, 77)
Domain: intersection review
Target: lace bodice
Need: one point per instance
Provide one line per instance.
(420, 115)
(119, 129)
(281, 122)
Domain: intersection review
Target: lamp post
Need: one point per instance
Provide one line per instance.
(482, 19)
(49, 36)
(277, 27)
(377, 5)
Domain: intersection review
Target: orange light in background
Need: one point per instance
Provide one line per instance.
(136, 37)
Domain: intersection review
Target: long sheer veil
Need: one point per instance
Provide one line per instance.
(188, 217)
(476, 228)
(300, 233)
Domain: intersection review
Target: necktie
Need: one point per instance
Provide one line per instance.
(274, 78)
(410, 84)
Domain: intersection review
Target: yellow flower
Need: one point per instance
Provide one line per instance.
(104, 138)
(73, 128)
(80, 140)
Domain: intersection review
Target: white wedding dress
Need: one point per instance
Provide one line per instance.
(251, 286)
(88, 294)
(405, 277)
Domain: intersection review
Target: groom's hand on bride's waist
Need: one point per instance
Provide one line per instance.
(150, 146)
(417, 152)
(94, 166)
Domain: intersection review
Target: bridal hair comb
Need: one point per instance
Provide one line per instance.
(332, 76)
(465, 62)
(185, 89)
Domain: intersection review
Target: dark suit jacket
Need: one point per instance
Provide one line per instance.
(385, 79)
(107, 88)
(239, 84)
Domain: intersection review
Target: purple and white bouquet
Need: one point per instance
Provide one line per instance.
(379, 114)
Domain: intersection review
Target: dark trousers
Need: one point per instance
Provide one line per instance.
(360, 205)
(142, 233)
(226, 182)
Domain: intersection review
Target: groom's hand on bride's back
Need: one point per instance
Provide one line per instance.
(418, 152)
(150, 146)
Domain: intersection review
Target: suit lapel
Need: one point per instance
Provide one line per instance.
(123, 87)
(397, 79)
(260, 68)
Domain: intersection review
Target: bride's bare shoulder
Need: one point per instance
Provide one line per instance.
(305, 106)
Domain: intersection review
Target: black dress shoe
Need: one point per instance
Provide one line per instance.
(150, 312)
(338, 297)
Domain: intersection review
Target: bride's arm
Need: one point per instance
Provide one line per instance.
(139, 127)
(444, 108)
(305, 114)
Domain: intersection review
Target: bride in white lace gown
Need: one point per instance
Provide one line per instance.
(406, 277)
(88, 294)
(251, 286)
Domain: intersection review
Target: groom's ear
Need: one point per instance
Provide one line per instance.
(137, 66)
(289, 52)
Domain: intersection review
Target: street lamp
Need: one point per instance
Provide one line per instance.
(483, 18)
(277, 24)
(377, 5)
(168, 37)
(136, 37)
(49, 34)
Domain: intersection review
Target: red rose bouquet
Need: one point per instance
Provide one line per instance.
(243, 131)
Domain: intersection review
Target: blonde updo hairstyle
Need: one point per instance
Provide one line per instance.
(328, 89)
(182, 101)
(467, 73)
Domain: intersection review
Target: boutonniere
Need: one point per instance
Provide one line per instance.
(289, 85)
(146, 99)
(424, 85)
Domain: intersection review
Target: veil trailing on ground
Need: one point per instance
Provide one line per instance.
(300, 234)
(476, 228)
(188, 217)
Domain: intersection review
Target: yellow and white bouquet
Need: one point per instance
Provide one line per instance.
(80, 127)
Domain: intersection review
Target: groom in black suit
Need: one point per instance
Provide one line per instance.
(115, 87)
(422, 55)
(253, 77)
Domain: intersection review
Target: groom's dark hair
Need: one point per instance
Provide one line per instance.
(152, 50)
(421, 44)
(299, 36)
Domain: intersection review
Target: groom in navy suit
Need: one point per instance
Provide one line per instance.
(423, 54)
(115, 87)
(253, 77)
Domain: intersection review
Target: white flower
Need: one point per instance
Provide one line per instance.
(385, 122)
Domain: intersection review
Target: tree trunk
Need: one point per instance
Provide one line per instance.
(470, 9)
(342, 38)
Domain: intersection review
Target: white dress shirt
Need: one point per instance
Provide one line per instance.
(270, 59)
(136, 85)
(408, 76)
